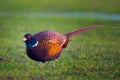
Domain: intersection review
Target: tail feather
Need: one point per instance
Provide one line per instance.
(79, 31)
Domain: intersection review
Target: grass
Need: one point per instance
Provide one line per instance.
(61, 5)
(94, 55)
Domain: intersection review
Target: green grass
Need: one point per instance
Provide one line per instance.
(94, 55)
(61, 5)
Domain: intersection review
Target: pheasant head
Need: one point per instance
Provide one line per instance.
(30, 41)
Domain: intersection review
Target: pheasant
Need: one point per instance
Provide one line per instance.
(47, 45)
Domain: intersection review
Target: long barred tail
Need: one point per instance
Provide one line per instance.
(73, 33)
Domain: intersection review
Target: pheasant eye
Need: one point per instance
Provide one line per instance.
(28, 37)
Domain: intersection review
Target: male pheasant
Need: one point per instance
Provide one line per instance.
(47, 45)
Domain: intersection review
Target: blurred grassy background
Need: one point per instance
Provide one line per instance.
(94, 55)
(61, 5)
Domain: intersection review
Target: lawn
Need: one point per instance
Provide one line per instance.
(61, 5)
(93, 55)
(89, 56)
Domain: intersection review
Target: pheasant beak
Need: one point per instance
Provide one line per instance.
(24, 39)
